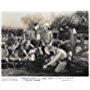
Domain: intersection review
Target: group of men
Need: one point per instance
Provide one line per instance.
(36, 47)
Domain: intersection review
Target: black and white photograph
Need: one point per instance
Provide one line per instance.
(45, 43)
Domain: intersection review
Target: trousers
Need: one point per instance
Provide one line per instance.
(61, 66)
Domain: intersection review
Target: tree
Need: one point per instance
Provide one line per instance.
(60, 22)
(32, 20)
(79, 20)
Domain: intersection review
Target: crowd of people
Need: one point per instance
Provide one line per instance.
(34, 50)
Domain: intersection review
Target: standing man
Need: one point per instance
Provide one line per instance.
(47, 35)
(73, 39)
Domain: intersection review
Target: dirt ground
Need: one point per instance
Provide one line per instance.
(74, 69)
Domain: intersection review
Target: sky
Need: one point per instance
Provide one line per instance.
(14, 18)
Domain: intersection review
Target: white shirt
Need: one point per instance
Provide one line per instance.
(38, 36)
(74, 31)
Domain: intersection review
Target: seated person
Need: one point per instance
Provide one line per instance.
(60, 57)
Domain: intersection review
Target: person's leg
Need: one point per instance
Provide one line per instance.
(61, 66)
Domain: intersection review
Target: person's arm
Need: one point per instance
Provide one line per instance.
(52, 61)
(31, 45)
(25, 52)
(16, 46)
(7, 53)
(19, 58)
(55, 59)
(32, 50)
(40, 51)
